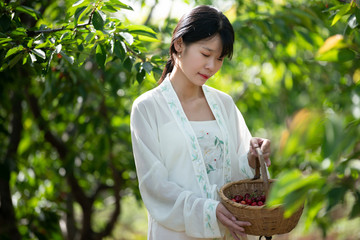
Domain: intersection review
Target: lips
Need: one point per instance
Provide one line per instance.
(204, 76)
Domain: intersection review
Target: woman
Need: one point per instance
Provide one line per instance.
(190, 139)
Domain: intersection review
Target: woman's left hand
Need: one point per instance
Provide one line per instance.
(264, 145)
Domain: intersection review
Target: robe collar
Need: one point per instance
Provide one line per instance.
(183, 123)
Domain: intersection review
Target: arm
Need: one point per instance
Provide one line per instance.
(168, 203)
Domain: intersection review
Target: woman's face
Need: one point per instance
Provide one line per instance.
(201, 60)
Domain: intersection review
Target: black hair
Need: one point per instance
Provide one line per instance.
(201, 23)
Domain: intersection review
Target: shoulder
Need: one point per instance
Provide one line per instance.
(146, 100)
(222, 96)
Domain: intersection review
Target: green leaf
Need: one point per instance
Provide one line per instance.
(337, 55)
(30, 43)
(352, 22)
(44, 45)
(78, 3)
(147, 67)
(291, 189)
(15, 60)
(19, 32)
(128, 64)
(25, 58)
(157, 59)
(128, 37)
(5, 40)
(119, 49)
(89, 37)
(119, 4)
(58, 48)
(343, 11)
(98, 20)
(70, 59)
(5, 23)
(336, 196)
(355, 212)
(100, 55)
(357, 14)
(28, 10)
(78, 14)
(294, 200)
(13, 51)
(65, 35)
(39, 53)
(3, 67)
(140, 76)
(109, 8)
(32, 57)
(142, 30)
(71, 11)
(143, 38)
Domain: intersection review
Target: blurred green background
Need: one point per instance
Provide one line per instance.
(70, 71)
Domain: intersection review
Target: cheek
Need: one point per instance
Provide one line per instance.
(193, 61)
(219, 65)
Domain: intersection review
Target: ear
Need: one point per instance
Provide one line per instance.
(179, 45)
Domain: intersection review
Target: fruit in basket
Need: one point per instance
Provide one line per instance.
(250, 199)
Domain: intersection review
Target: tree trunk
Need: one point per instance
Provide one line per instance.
(8, 227)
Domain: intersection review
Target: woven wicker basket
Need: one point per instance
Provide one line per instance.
(264, 221)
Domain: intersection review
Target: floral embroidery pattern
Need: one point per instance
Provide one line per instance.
(212, 150)
(209, 209)
(197, 158)
(180, 117)
(216, 111)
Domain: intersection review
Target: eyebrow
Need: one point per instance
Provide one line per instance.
(209, 49)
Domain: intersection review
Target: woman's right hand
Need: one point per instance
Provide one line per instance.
(228, 220)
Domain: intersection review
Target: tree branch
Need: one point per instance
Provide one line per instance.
(135, 54)
(8, 226)
(84, 25)
(118, 181)
(150, 13)
(60, 147)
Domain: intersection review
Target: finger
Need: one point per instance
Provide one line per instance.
(231, 224)
(234, 235)
(243, 223)
(254, 142)
(265, 145)
(268, 162)
(266, 156)
(243, 234)
(235, 225)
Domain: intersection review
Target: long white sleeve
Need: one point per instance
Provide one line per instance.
(169, 203)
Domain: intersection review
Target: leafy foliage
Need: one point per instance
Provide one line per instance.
(73, 83)
(70, 71)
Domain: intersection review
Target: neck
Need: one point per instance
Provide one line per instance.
(183, 87)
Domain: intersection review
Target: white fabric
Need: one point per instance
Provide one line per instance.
(173, 183)
(211, 143)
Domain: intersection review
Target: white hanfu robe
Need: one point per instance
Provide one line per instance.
(172, 176)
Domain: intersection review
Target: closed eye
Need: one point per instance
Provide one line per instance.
(205, 55)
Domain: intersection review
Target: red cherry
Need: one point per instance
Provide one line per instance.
(238, 198)
(260, 203)
(233, 200)
(253, 204)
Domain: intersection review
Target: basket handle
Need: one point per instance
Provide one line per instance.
(263, 170)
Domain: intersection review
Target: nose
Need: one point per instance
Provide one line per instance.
(210, 64)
